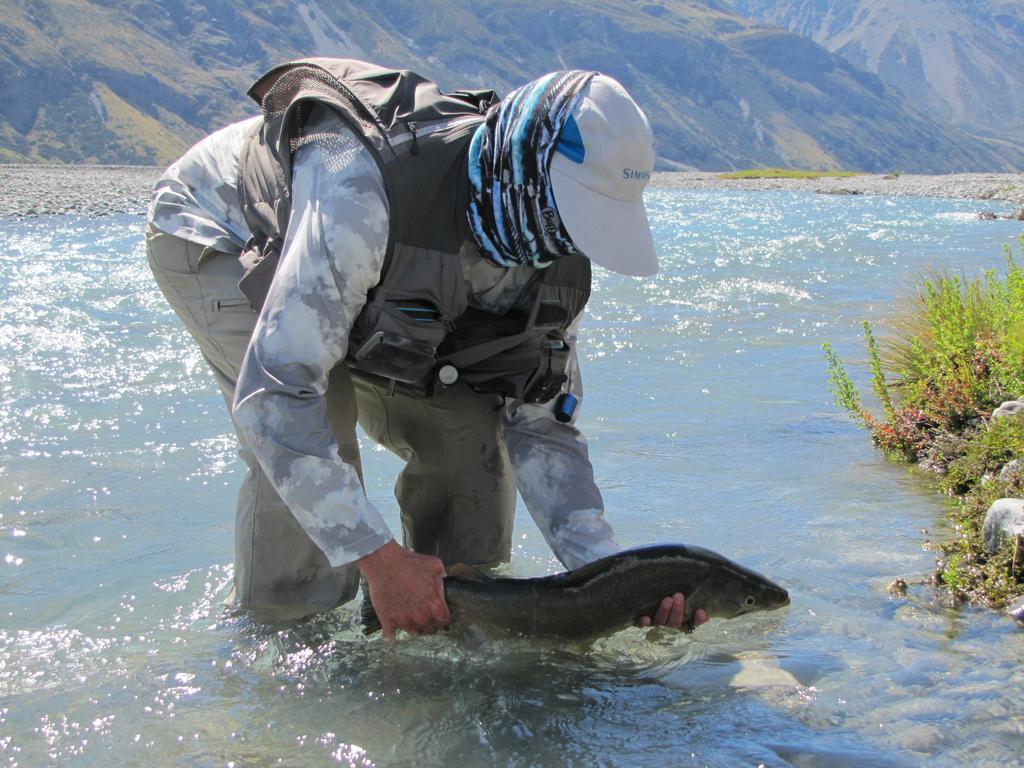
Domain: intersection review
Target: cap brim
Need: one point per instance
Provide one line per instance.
(612, 233)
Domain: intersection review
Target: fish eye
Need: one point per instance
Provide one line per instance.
(749, 601)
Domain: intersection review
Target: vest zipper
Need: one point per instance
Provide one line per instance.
(432, 129)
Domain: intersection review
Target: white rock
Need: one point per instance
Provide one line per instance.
(1003, 521)
(1010, 469)
(1008, 408)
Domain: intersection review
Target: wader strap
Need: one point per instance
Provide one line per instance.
(465, 358)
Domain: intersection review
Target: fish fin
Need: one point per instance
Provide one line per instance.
(468, 573)
(585, 572)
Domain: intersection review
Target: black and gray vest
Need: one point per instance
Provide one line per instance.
(415, 328)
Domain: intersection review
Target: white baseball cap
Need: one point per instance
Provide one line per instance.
(602, 164)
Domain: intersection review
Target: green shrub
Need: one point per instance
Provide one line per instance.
(956, 354)
(965, 340)
(991, 449)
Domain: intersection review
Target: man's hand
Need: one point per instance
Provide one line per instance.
(670, 614)
(406, 590)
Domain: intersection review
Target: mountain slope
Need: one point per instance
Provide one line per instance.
(721, 92)
(138, 80)
(959, 60)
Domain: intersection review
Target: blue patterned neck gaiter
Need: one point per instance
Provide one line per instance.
(512, 211)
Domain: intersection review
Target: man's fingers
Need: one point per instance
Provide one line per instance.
(663, 612)
(675, 617)
(440, 612)
(426, 621)
(406, 590)
(671, 612)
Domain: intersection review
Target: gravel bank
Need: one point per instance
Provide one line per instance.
(31, 190)
(998, 187)
(95, 190)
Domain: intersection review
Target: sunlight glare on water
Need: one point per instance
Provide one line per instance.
(709, 422)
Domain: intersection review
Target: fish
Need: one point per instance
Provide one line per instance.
(608, 594)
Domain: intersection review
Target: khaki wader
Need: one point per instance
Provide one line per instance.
(456, 493)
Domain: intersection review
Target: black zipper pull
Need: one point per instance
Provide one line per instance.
(412, 129)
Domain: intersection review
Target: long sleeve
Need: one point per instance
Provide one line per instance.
(196, 198)
(331, 257)
(556, 480)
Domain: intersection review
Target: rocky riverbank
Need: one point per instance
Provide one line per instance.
(36, 190)
(93, 190)
(998, 187)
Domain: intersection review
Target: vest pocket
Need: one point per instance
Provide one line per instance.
(398, 346)
(395, 357)
(231, 316)
(232, 305)
(400, 329)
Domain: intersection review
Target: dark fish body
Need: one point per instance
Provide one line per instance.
(609, 594)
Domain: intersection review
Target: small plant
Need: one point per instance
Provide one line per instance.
(902, 434)
(844, 393)
(877, 374)
(951, 576)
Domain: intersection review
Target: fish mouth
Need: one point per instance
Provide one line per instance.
(781, 600)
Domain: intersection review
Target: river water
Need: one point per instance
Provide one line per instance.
(709, 422)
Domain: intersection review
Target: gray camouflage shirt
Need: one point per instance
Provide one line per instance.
(332, 255)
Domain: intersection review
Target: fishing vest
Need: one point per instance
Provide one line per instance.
(415, 328)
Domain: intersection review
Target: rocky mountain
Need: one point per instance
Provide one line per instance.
(136, 81)
(962, 61)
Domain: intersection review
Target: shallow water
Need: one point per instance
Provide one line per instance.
(709, 422)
